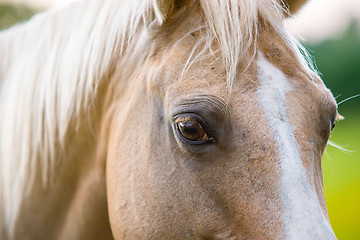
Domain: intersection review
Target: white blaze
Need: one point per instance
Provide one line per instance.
(303, 217)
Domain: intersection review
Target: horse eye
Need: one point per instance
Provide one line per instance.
(192, 131)
(333, 120)
(332, 125)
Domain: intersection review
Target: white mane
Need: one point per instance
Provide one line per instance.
(50, 69)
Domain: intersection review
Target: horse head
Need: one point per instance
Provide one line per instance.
(222, 132)
(167, 119)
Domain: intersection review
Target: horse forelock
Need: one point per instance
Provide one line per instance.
(53, 65)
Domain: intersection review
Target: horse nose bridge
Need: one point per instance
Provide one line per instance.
(308, 229)
(303, 216)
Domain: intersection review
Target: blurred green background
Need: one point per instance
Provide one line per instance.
(10, 14)
(338, 59)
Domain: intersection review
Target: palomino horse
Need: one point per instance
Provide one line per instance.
(161, 119)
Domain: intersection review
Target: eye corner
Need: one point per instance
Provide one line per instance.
(335, 119)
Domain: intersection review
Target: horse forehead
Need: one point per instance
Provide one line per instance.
(177, 72)
(182, 66)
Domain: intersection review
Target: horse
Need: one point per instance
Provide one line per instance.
(162, 119)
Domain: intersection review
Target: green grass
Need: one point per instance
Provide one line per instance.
(342, 177)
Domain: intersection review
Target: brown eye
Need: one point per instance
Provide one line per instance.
(192, 131)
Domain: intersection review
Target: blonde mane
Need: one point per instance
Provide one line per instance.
(52, 66)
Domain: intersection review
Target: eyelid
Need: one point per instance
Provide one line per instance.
(190, 117)
(180, 119)
(207, 105)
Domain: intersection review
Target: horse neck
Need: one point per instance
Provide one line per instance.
(49, 151)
